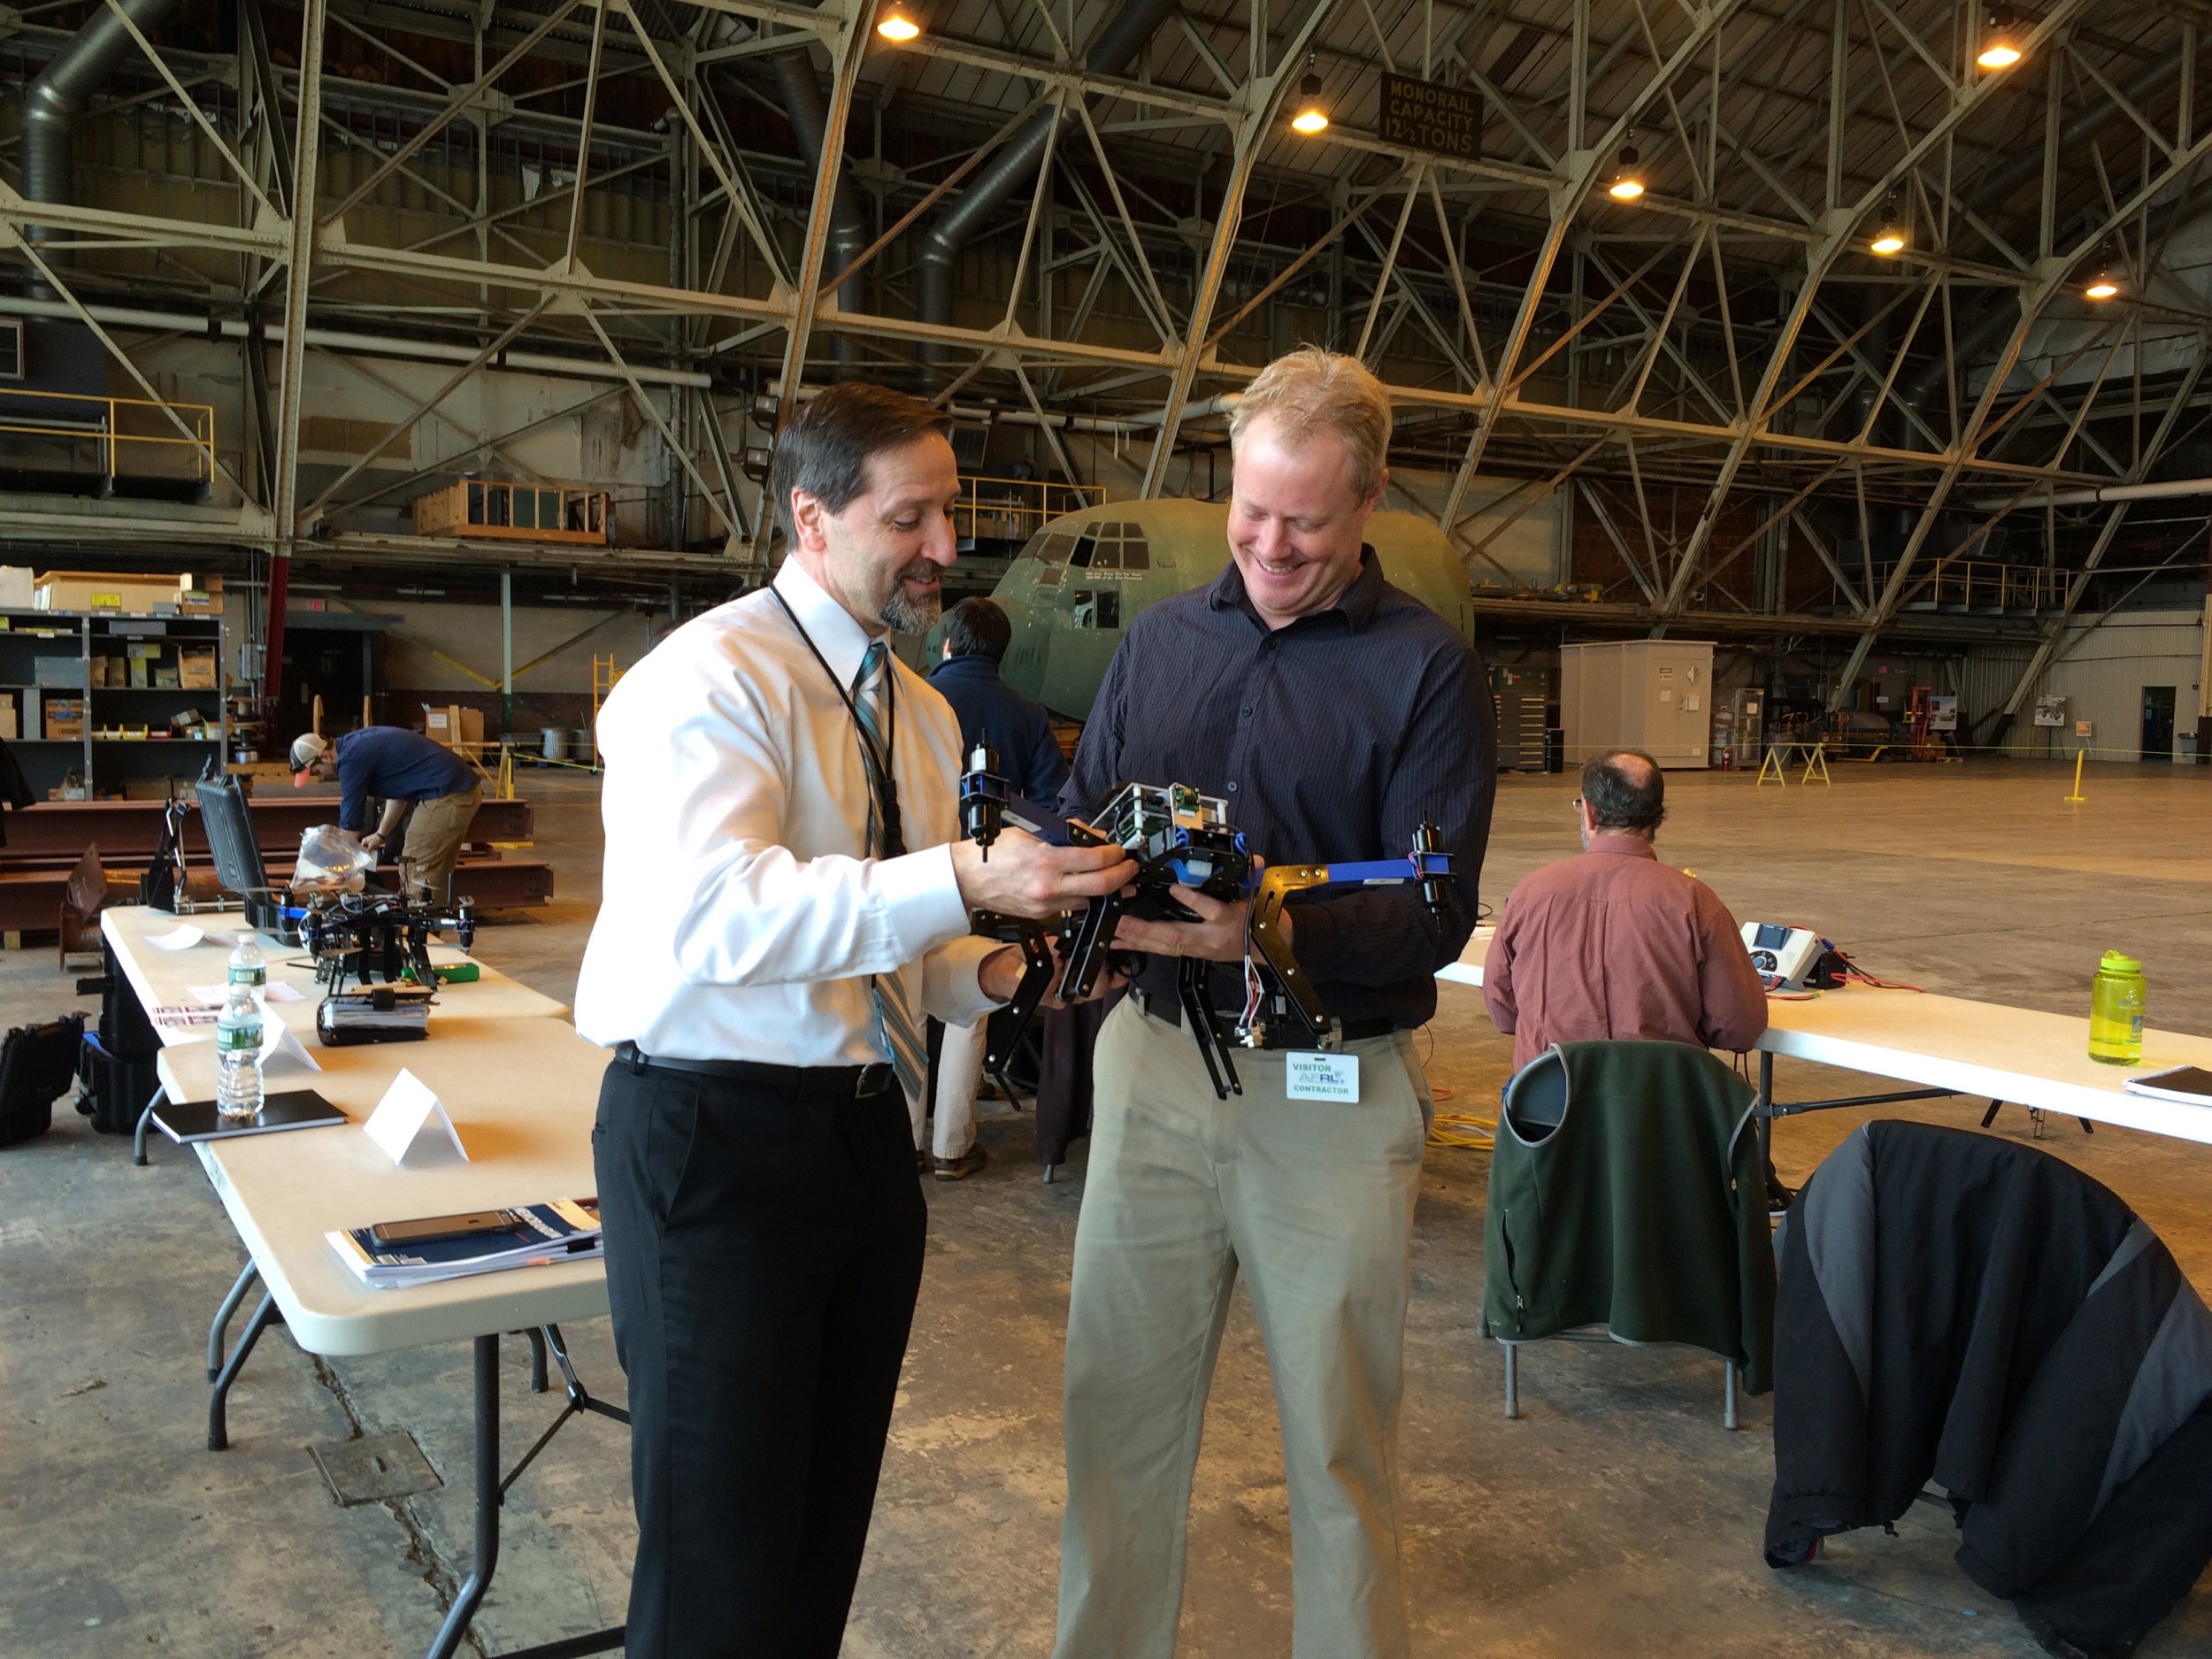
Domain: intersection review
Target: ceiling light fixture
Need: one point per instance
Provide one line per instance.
(2101, 286)
(1628, 179)
(1312, 117)
(1893, 238)
(897, 27)
(2000, 45)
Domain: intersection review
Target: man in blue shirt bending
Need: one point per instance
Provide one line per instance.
(401, 768)
(991, 711)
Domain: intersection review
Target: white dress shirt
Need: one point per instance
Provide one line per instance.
(741, 918)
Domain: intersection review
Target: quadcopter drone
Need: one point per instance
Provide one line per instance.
(1176, 837)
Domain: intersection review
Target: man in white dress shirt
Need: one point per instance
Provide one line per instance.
(787, 894)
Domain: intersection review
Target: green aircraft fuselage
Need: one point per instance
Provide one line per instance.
(1081, 581)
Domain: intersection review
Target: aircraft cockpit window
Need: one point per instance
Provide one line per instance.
(1108, 557)
(1097, 609)
(1055, 547)
(1085, 550)
(1135, 556)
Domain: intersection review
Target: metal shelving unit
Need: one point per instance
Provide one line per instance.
(119, 739)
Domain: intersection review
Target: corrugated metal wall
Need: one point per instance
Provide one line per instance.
(1987, 678)
(2101, 673)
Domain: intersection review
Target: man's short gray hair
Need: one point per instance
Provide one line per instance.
(1310, 390)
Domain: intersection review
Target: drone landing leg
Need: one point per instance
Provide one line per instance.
(1198, 1014)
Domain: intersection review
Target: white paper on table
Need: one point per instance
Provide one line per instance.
(214, 936)
(279, 1047)
(407, 1122)
(180, 938)
(216, 995)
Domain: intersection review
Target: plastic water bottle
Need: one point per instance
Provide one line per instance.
(238, 1054)
(2115, 1011)
(248, 966)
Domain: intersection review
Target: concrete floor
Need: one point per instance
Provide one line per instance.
(1618, 1515)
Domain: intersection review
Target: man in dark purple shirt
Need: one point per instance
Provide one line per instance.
(1334, 714)
(1615, 944)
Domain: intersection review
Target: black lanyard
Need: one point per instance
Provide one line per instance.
(882, 782)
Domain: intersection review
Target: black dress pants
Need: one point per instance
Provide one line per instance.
(764, 1251)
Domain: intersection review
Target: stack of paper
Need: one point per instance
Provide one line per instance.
(566, 1229)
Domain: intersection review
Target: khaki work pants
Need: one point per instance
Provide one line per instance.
(1312, 1201)
(434, 834)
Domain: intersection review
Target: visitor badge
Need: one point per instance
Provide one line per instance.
(1321, 1076)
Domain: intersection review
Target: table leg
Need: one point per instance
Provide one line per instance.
(490, 1494)
(219, 1396)
(221, 1326)
(487, 1502)
(1766, 1101)
(145, 1122)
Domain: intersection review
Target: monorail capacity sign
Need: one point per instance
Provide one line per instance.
(1423, 115)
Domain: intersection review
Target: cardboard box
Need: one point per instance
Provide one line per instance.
(7, 719)
(16, 588)
(65, 717)
(186, 593)
(195, 669)
(463, 728)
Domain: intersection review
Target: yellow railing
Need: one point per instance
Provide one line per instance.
(1981, 585)
(104, 421)
(1014, 509)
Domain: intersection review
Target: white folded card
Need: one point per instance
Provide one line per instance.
(411, 1124)
(182, 938)
(281, 1048)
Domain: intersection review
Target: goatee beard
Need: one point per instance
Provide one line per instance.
(903, 615)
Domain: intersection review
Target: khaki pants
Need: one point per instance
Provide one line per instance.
(434, 834)
(1313, 1201)
(959, 1074)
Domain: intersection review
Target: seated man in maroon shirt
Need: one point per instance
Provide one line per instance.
(1615, 944)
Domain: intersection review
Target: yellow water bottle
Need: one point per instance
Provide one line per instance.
(2115, 1011)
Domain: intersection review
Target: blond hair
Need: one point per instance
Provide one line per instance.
(1310, 390)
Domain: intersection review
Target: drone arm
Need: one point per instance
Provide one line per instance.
(1277, 884)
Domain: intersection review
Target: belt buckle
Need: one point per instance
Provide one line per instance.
(875, 1077)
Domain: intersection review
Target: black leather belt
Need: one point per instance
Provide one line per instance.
(857, 1081)
(1168, 1014)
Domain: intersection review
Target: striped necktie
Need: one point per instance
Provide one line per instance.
(898, 1032)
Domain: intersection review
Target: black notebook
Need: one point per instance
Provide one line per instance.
(292, 1109)
(2190, 1085)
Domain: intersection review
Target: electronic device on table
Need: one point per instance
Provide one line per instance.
(1176, 837)
(229, 823)
(377, 943)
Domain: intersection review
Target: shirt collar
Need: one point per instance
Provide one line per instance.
(1356, 602)
(974, 665)
(1624, 846)
(841, 641)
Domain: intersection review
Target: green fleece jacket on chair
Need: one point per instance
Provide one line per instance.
(1625, 1191)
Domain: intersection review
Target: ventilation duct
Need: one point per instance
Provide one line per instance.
(1115, 49)
(848, 226)
(59, 97)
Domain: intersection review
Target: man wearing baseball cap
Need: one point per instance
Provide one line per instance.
(401, 768)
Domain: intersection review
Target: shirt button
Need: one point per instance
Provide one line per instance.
(1232, 788)
(1247, 710)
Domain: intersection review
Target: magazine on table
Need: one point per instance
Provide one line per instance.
(2189, 1085)
(423, 1252)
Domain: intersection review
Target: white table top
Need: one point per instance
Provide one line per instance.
(164, 979)
(521, 1092)
(2014, 1055)
(1468, 969)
